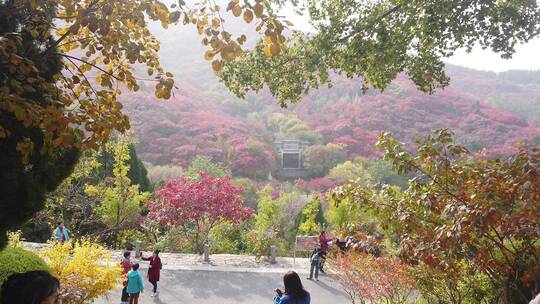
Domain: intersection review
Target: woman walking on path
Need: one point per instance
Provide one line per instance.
(153, 270)
(135, 284)
(294, 291)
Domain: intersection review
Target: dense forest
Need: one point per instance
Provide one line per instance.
(240, 133)
(484, 109)
(430, 194)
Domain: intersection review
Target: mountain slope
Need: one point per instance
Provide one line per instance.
(485, 109)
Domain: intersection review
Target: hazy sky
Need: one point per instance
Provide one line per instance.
(527, 56)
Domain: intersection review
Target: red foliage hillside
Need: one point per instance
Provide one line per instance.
(175, 131)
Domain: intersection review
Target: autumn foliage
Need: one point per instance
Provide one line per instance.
(319, 185)
(84, 269)
(464, 213)
(199, 204)
(191, 124)
(369, 279)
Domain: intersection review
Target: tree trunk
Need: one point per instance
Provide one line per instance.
(506, 292)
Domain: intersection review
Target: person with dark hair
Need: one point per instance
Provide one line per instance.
(33, 287)
(294, 291)
(324, 244)
(135, 284)
(61, 233)
(315, 260)
(154, 270)
(126, 267)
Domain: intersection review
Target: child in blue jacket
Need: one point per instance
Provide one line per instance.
(135, 284)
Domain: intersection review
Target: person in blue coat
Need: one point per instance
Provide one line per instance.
(61, 233)
(135, 284)
(294, 291)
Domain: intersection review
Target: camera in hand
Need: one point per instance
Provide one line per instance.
(278, 291)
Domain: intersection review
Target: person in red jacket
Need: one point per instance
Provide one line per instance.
(126, 267)
(153, 270)
(325, 246)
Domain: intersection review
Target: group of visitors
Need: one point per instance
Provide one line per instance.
(133, 282)
(318, 256)
(40, 287)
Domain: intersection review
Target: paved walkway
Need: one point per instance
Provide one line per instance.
(234, 279)
(209, 287)
(228, 262)
(218, 262)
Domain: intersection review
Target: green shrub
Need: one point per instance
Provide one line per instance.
(128, 238)
(227, 237)
(17, 259)
(174, 240)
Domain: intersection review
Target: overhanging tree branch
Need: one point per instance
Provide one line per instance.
(90, 64)
(372, 24)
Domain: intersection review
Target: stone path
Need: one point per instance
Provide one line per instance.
(219, 287)
(227, 279)
(228, 262)
(218, 262)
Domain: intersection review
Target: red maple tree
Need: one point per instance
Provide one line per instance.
(198, 204)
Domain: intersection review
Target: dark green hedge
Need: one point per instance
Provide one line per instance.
(15, 259)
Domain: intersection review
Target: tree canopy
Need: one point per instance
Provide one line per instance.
(462, 214)
(63, 64)
(201, 203)
(98, 42)
(377, 40)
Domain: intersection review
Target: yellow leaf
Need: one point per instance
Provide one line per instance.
(231, 5)
(169, 74)
(248, 16)
(20, 113)
(258, 10)
(267, 51)
(209, 55)
(174, 17)
(216, 22)
(216, 65)
(237, 10)
(268, 39)
(259, 26)
(227, 53)
(274, 49)
(159, 93)
(34, 33)
(226, 35)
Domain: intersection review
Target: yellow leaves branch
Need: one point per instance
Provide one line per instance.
(221, 42)
(90, 64)
(84, 269)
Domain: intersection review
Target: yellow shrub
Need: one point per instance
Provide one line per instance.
(84, 269)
